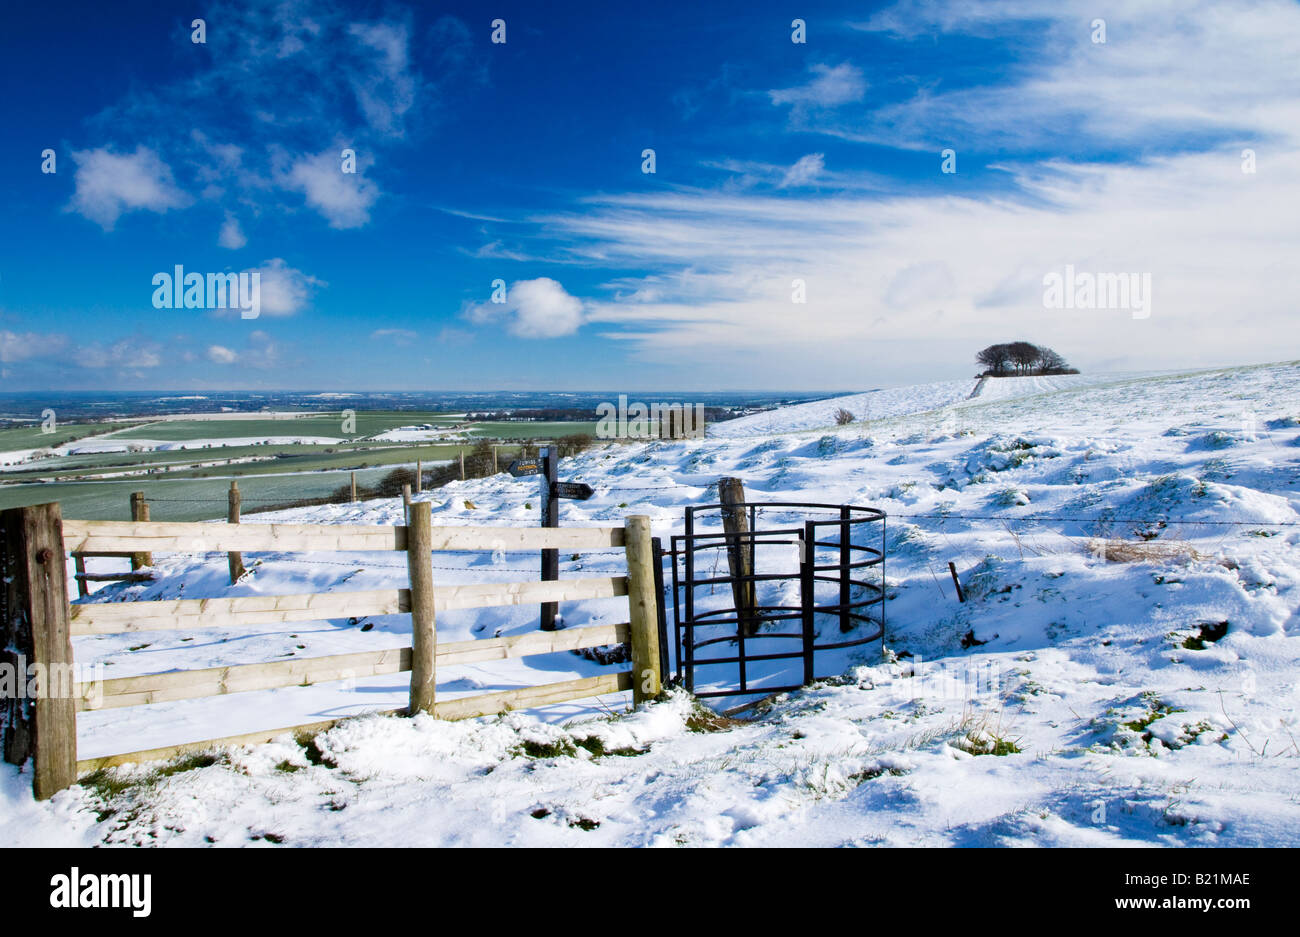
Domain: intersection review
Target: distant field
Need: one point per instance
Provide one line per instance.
(188, 491)
(31, 437)
(177, 499)
(368, 423)
(201, 494)
(508, 430)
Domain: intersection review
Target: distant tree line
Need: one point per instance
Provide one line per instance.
(1021, 359)
(583, 415)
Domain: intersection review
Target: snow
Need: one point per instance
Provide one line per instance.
(895, 402)
(1167, 505)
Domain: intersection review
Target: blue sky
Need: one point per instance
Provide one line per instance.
(818, 162)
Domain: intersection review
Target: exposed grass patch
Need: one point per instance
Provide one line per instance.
(597, 748)
(703, 719)
(313, 752)
(559, 748)
(109, 784)
(870, 774)
(984, 743)
(1210, 631)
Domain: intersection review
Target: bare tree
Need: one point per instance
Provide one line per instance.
(993, 359)
(843, 417)
(1023, 355)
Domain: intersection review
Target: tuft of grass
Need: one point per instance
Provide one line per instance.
(108, 784)
(585, 824)
(1155, 710)
(703, 719)
(981, 743)
(597, 748)
(1144, 551)
(190, 762)
(560, 748)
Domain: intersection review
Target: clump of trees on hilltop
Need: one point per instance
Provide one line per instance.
(1021, 359)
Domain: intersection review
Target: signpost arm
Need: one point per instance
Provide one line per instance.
(550, 518)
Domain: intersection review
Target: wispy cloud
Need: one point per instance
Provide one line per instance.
(395, 336)
(829, 87)
(284, 82)
(1172, 73)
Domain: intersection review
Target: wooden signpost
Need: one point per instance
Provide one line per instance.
(552, 492)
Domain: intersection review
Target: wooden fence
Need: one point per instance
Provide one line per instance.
(38, 623)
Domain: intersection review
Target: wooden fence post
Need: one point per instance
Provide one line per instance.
(235, 558)
(34, 635)
(354, 487)
(419, 476)
(643, 599)
(740, 550)
(462, 463)
(424, 634)
(140, 512)
(406, 504)
(496, 468)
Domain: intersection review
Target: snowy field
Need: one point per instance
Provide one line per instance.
(1125, 670)
(897, 401)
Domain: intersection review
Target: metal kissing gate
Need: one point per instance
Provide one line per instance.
(752, 609)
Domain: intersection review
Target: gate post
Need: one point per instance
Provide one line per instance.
(642, 602)
(807, 595)
(846, 559)
(740, 552)
(35, 636)
(657, 553)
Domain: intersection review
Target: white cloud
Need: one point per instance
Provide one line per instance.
(126, 353)
(537, 308)
(343, 199)
(109, 184)
(805, 171)
(232, 235)
(23, 346)
(831, 87)
(285, 290)
(221, 354)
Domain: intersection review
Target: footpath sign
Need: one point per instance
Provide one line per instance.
(553, 491)
(520, 468)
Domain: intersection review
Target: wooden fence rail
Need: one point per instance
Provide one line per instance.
(39, 622)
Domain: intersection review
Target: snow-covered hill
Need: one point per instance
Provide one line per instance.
(1130, 645)
(898, 401)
